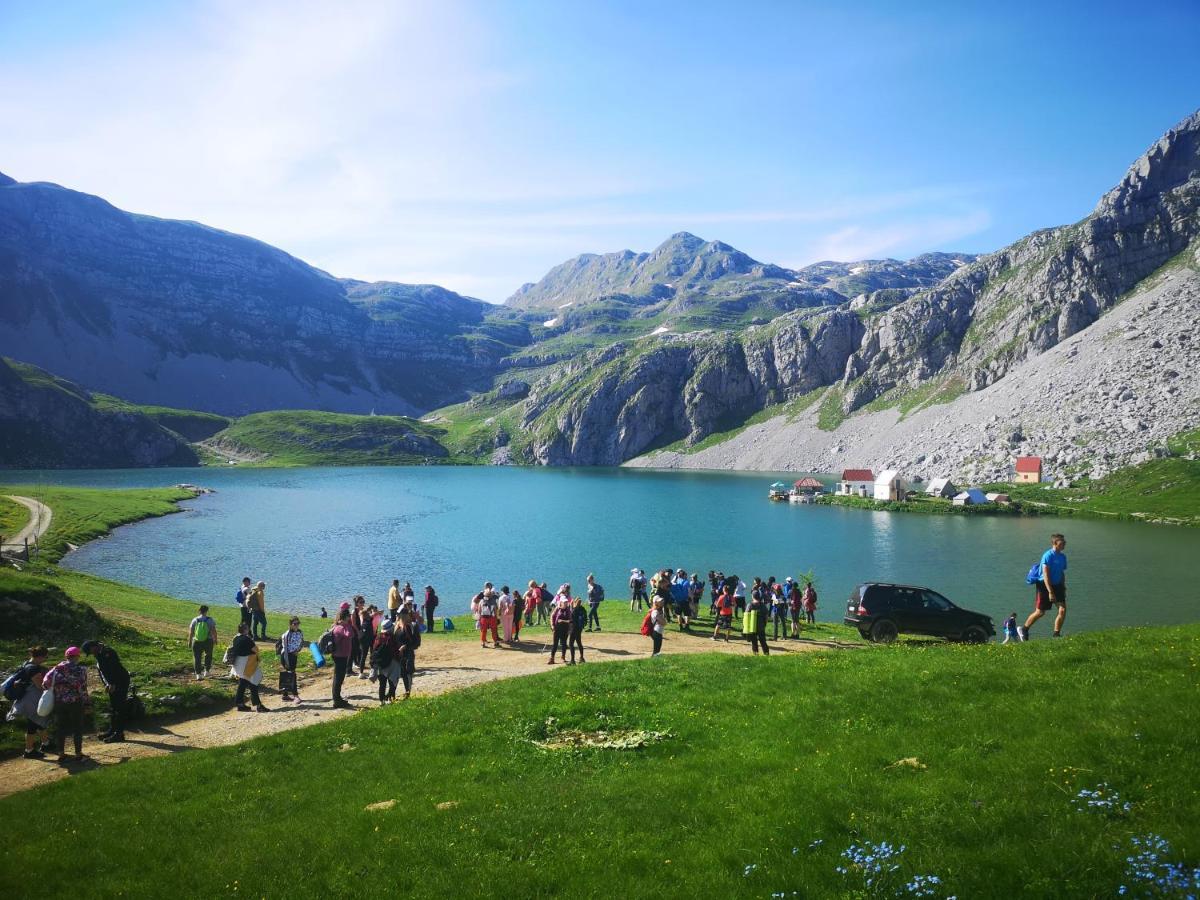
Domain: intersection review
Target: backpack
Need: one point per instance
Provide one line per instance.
(1035, 573)
(382, 654)
(325, 644)
(201, 633)
(647, 625)
(599, 592)
(447, 624)
(240, 597)
(279, 646)
(16, 684)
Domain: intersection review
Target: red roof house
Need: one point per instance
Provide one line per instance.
(858, 475)
(808, 483)
(1029, 469)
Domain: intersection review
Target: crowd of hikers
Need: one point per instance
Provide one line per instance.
(379, 643)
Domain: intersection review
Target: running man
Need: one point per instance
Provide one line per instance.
(1052, 589)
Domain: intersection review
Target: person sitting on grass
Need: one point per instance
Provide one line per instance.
(725, 607)
(290, 644)
(202, 637)
(116, 682)
(29, 680)
(245, 666)
(68, 680)
(1051, 589)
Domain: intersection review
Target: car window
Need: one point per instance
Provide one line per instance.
(937, 602)
(906, 598)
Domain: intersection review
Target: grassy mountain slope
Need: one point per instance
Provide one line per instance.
(307, 438)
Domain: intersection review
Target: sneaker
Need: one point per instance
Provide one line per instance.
(34, 754)
(242, 707)
(197, 676)
(1022, 632)
(207, 672)
(1057, 634)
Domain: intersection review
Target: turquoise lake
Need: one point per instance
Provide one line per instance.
(317, 536)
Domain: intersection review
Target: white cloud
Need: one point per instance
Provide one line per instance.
(903, 238)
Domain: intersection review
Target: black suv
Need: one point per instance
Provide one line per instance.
(882, 611)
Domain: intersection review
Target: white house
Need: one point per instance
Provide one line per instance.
(941, 487)
(856, 483)
(889, 485)
(970, 497)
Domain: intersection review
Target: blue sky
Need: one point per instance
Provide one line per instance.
(475, 145)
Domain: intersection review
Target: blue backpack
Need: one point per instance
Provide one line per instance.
(1035, 573)
(447, 624)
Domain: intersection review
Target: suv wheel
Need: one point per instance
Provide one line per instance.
(974, 634)
(884, 631)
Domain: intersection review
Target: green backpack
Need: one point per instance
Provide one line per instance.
(201, 631)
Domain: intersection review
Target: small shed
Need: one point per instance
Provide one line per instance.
(889, 485)
(941, 487)
(808, 483)
(856, 483)
(995, 497)
(1029, 469)
(970, 497)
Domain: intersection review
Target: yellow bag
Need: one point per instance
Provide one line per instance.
(750, 621)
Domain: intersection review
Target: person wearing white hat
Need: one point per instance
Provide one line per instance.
(637, 587)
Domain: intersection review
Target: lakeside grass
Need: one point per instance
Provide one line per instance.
(762, 759)
(13, 517)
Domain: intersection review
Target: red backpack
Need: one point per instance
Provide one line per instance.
(647, 625)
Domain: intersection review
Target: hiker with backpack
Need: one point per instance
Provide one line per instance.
(779, 610)
(657, 621)
(595, 595)
(637, 589)
(343, 650)
(240, 598)
(24, 689)
(243, 656)
(431, 605)
(1049, 580)
(68, 683)
(291, 642)
(488, 606)
(116, 682)
(384, 661)
(408, 640)
(202, 636)
(363, 619)
(755, 621)
(533, 598)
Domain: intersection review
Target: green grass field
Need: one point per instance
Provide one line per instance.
(13, 517)
(765, 771)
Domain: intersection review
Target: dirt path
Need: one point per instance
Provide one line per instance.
(441, 666)
(40, 517)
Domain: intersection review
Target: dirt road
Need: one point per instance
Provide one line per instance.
(39, 523)
(441, 666)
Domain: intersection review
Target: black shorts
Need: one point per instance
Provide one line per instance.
(724, 621)
(1042, 596)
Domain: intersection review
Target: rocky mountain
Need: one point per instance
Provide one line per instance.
(879, 350)
(180, 314)
(1019, 302)
(48, 422)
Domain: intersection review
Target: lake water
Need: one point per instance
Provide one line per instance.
(317, 536)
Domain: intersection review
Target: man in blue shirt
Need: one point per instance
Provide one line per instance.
(1052, 589)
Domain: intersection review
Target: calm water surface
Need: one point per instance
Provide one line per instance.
(317, 536)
